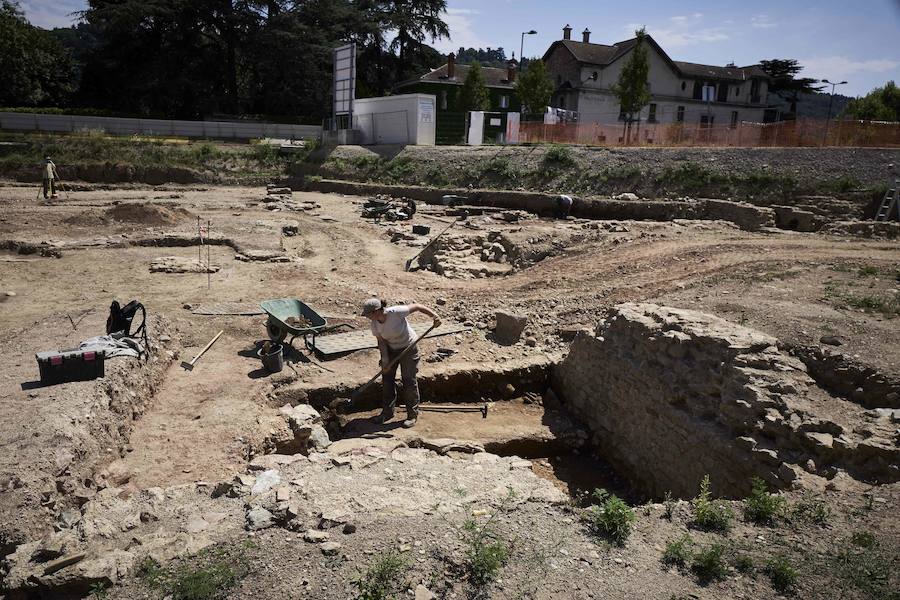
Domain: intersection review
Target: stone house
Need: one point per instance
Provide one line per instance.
(446, 81)
(584, 73)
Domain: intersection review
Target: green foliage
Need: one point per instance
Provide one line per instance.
(710, 514)
(485, 552)
(784, 81)
(782, 575)
(210, 577)
(810, 510)
(610, 518)
(34, 67)
(99, 591)
(744, 564)
(881, 104)
(381, 579)
(861, 565)
(399, 168)
(863, 539)
(633, 88)
(474, 93)
(842, 184)
(560, 155)
(678, 552)
(761, 506)
(669, 503)
(708, 563)
(689, 177)
(534, 87)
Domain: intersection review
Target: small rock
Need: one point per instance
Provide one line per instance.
(423, 593)
(330, 548)
(314, 536)
(441, 301)
(259, 518)
(349, 528)
(530, 342)
(831, 340)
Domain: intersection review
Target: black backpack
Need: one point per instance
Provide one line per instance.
(121, 318)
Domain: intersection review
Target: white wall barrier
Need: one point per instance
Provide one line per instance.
(125, 126)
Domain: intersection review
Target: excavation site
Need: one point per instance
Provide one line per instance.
(650, 397)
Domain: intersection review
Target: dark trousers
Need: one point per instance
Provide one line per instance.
(409, 366)
(49, 188)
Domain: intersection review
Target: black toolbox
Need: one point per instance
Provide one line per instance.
(59, 366)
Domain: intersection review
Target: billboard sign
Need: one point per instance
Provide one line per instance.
(344, 86)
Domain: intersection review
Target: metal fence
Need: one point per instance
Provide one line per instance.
(803, 132)
(226, 130)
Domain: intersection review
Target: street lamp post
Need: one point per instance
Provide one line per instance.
(522, 43)
(830, 102)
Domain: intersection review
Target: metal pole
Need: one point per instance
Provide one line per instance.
(521, 47)
(830, 102)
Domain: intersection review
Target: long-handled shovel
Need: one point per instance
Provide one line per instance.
(390, 365)
(428, 245)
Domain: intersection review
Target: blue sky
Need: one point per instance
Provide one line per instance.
(836, 40)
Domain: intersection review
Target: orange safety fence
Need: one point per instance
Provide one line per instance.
(802, 132)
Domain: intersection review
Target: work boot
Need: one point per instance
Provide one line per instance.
(410, 421)
(385, 416)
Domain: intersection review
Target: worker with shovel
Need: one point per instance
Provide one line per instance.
(395, 335)
(49, 178)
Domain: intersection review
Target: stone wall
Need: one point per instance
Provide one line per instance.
(672, 395)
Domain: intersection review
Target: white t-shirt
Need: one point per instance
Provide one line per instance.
(48, 171)
(395, 330)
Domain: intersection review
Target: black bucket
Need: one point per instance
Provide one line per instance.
(274, 360)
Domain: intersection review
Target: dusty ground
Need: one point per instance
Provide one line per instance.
(203, 425)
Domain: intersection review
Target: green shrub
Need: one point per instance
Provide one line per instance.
(559, 155)
(611, 517)
(761, 506)
(782, 575)
(744, 564)
(678, 551)
(708, 563)
(381, 579)
(863, 539)
(214, 573)
(486, 554)
(810, 510)
(710, 514)
(669, 503)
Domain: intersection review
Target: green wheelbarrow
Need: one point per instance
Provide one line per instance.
(289, 316)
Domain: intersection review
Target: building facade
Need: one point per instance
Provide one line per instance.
(584, 74)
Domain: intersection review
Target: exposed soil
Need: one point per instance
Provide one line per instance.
(204, 425)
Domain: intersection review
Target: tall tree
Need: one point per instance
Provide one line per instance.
(785, 83)
(414, 21)
(474, 94)
(35, 69)
(633, 88)
(881, 104)
(534, 87)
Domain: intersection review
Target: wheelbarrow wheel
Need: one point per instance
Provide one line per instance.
(276, 332)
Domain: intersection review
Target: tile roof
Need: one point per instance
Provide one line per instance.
(597, 54)
(736, 73)
(493, 76)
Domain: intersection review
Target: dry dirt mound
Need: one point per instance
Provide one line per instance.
(88, 218)
(149, 214)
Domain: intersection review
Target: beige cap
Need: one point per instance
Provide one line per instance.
(370, 306)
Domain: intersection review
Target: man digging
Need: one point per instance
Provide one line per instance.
(394, 335)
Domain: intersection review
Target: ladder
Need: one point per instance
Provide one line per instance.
(889, 203)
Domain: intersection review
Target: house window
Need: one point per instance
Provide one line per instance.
(443, 99)
(683, 85)
(679, 114)
(722, 93)
(559, 80)
(562, 101)
(698, 90)
(737, 90)
(652, 116)
(504, 101)
(734, 119)
(706, 121)
(754, 91)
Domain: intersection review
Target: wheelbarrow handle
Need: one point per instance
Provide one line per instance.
(390, 364)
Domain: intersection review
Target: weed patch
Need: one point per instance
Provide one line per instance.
(382, 579)
(208, 577)
(708, 564)
(710, 514)
(762, 507)
(782, 575)
(559, 155)
(611, 517)
(678, 552)
(810, 510)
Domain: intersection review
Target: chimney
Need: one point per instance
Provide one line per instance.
(586, 36)
(511, 71)
(567, 32)
(451, 66)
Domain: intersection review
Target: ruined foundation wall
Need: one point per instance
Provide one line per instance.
(672, 395)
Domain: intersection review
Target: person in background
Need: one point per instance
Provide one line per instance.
(394, 335)
(49, 178)
(563, 206)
